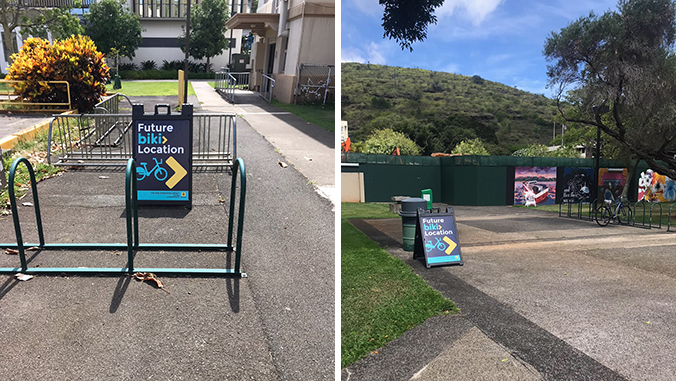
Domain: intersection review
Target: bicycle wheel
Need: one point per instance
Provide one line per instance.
(161, 174)
(624, 216)
(603, 214)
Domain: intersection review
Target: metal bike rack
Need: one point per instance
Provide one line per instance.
(651, 214)
(642, 202)
(133, 244)
(669, 218)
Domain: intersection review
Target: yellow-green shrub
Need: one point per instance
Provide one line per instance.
(75, 60)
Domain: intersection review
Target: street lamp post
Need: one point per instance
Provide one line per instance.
(597, 159)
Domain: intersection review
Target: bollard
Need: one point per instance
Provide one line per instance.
(409, 214)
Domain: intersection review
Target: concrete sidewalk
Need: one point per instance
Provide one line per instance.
(308, 147)
(277, 324)
(540, 297)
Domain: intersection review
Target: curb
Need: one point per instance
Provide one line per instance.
(29, 133)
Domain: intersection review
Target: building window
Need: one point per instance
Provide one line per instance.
(162, 8)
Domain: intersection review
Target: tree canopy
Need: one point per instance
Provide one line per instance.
(113, 27)
(386, 141)
(470, 147)
(406, 21)
(34, 21)
(207, 30)
(623, 67)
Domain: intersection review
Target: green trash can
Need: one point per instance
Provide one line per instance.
(409, 213)
(427, 196)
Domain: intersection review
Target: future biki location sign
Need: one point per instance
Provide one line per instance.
(436, 238)
(162, 147)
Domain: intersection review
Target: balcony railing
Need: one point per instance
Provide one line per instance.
(51, 3)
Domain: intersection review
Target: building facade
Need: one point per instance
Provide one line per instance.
(288, 34)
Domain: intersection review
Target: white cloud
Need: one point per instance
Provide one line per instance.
(351, 55)
(374, 53)
(369, 7)
(452, 68)
(475, 10)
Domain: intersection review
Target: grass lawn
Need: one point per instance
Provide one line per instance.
(381, 298)
(36, 151)
(323, 116)
(149, 88)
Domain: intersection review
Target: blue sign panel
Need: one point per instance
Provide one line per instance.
(436, 238)
(162, 145)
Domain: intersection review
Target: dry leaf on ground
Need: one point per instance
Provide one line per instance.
(150, 277)
(9, 251)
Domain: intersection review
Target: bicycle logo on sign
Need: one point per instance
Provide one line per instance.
(160, 173)
(429, 246)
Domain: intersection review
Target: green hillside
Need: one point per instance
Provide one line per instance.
(438, 110)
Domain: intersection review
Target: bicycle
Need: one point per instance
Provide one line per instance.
(160, 173)
(439, 244)
(619, 210)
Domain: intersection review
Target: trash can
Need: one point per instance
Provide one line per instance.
(409, 213)
(427, 196)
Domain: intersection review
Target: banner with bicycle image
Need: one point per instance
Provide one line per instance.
(162, 144)
(436, 238)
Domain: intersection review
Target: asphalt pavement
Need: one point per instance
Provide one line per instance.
(276, 324)
(541, 297)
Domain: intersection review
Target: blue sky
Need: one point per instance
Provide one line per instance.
(499, 40)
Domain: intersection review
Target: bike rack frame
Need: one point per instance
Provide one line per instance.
(133, 244)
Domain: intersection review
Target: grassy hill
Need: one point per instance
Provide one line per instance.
(438, 110)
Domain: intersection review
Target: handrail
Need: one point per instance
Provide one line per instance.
(267, 86)
(15, 212)
(21, 102)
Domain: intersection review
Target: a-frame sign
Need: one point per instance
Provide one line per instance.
(436, 238)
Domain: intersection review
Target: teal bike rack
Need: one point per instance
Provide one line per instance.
(133, 244)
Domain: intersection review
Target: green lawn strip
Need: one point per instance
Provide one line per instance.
(321, 115)
(351, 210)
(36, 147)
(381, 297)
(148, 88)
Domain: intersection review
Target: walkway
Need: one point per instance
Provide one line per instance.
(307, 147)
(540, 297)
(276, 324)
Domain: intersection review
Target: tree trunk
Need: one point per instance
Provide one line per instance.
(208, 65)
(7, 43)
(631, 171)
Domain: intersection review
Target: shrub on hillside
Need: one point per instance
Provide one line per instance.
(386, 141)
(75, 60)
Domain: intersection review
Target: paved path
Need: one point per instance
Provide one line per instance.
(277, 324)
(308, 147)
(541, 297)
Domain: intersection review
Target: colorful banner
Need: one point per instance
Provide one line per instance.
(577, 184)
(534, 186)
(611, 182)
(653, 187)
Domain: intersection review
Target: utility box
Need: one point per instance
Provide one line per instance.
(427, 196)
(162, 144)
